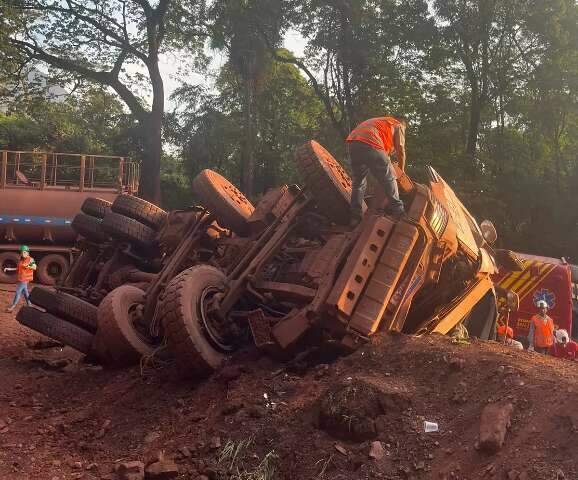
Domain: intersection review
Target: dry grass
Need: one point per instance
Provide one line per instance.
(233, 458)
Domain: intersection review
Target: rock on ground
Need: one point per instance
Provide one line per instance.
(494, 424)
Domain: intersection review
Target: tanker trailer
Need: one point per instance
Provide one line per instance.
(40, 193)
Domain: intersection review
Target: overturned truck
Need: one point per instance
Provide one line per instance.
(286, 274)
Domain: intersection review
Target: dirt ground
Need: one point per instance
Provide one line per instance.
(61, 418)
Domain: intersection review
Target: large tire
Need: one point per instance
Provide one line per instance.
(117, 342)
(56, 328)
(89, 227)
(73, 309)
(182, 316)
(326, 179)
(96, 207)
(128, 229)
(140, 210)
(52, 269)
(8, 260)
(231, 208)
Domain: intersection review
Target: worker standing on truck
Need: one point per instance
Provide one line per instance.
(25, 269)
(371, 144)
(541, 335)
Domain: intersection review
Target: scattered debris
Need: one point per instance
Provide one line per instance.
(341, 449)
(429, 427)
(161, 470)
(130, 471)
(376, 451)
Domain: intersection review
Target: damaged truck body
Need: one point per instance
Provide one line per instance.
(286, 274)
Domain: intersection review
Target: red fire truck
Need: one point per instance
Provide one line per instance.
(543, 278)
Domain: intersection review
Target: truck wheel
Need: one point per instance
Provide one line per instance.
(117, 340)
(52, 269)
(89, 227)
(69, 307)
(96, 207)
(140, 210)
(481, 321)
(8, 260)
(56, 328)
(128, 229)
(231, 208)
(197, 345)
(328, 182)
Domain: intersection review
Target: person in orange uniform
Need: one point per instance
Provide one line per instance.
(25, 269)
(371, 145)
(541, 335)
(506, 335)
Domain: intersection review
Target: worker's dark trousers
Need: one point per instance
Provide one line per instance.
(364, 159)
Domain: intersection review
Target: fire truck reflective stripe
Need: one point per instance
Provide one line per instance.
(539, 279)
(532, 281)
(7, 219)
(523, 279)
(528, 279)
(510, 279)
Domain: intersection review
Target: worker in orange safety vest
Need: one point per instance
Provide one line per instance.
(371, 145)
(25, 274)
(541, 335)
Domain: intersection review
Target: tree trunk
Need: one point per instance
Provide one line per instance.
(247, 158)
(150, 176)
(473, 132)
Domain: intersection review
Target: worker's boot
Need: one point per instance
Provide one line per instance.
(10, 309)
(397, 214)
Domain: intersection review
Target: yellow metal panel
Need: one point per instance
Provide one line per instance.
(368, 313)
(450, 316)
(361, 263)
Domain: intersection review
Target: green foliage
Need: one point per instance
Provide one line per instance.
(89, 122)
(210, 132)
(490, 87)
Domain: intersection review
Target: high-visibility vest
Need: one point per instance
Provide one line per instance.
(25, 274)
(509, 332)
(376, 132)
(543, 331)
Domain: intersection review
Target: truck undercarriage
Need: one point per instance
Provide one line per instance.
(285, 274)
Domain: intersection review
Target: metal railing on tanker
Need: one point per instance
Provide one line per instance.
(68, 171)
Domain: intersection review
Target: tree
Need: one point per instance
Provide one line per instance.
(236, 27)
(208, 127)
(89, 121)
(491, 52)
(357, 52)
(103, 42)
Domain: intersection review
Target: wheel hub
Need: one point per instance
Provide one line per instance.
(215, 328)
